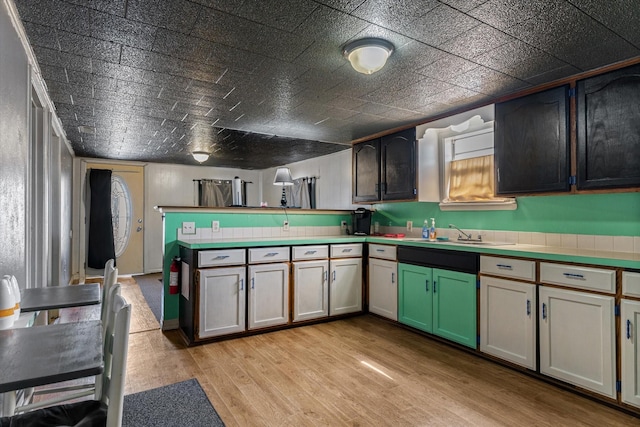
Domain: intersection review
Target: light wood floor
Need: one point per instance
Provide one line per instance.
(357, 372)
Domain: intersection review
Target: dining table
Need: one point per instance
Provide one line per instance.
(40, 355)
(56, 297)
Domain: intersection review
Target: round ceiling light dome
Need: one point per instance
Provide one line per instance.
(368, 55)
(200, 156)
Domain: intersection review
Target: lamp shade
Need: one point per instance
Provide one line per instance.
(200, 156)
(368, 55)
(283, 177)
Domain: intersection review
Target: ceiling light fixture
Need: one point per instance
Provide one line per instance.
(368, 55)
(200, 156)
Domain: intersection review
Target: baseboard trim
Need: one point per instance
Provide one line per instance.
(171, 324)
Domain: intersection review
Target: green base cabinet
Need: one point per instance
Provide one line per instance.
(438, 301)
(415, 297)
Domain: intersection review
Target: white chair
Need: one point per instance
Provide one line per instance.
(109, 401)
(109, 279)
(85, 389)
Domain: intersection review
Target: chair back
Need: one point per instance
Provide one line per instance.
(110, 278)
(115, 360)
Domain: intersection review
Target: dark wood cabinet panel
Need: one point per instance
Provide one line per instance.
(608, 130)
(366, 171)
(398, 165)
(384, 169)
(532, 143)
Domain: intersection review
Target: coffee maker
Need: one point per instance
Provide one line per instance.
(361, 221)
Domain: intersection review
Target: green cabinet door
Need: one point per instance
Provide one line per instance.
(415, 296)
(454, 306)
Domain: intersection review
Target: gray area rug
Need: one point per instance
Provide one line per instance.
(151, 288)
(180, 404)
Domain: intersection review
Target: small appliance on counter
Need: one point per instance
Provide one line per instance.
(361, 220)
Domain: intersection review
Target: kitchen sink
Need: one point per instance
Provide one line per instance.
(458, 242)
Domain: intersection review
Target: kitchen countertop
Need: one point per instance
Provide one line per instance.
(574, 255)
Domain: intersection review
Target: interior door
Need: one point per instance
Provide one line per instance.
(127, 208)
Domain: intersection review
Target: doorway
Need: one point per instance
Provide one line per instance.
(127, 209)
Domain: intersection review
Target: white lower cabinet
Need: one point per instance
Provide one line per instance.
(345, 295)
(383, 288)
(268, 301)
(577, 339)
(508, 320)
(310, 290)
(630, 315)
(221, 294)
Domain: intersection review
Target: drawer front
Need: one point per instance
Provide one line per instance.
(220, 257)
(578, 277)
(516, 268)
(262, 255)
(382, 251)
(309, 252)
(631, 284)
(348, 250)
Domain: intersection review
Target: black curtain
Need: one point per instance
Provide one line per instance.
(101, 246)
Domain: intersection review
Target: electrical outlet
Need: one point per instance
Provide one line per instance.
(343, 225)
(188, 228)
(285, 226)
(215, 226)
(409, 225)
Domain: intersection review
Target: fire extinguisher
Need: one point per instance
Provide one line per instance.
(173, 276)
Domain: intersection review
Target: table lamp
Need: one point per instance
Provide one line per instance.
(283, 178)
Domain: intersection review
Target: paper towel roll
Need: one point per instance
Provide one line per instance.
(236, 187)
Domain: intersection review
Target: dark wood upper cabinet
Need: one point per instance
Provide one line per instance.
(608, 130)
(366, 171)
(384, 168)
(532, 145)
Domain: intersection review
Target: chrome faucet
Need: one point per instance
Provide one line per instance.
(468, 237)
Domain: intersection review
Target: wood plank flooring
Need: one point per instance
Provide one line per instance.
(361, 371)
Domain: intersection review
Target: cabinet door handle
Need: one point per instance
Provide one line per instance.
(528, 307)
(504, 267)
(241, 284)
(334, 275)
(628, 329)
(435, 286)
(393, 277)
(253, 282)
(426, 285)
(326, 276)
(544, 310)
(573, 276)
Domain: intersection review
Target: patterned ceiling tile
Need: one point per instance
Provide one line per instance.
(263, 83)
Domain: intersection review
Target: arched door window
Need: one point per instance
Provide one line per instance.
(121, 210)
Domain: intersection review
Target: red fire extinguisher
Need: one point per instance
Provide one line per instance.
(173, 276)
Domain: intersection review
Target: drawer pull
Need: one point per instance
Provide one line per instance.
(393, 277)
(271, 254)
(347, 250)
(573, 276)
(426, 285)
(221, 257)
(544, 310)
(504, 267)
(310, 252)
(528, 307)
(380, 250)
(628, 329)
(241, 284)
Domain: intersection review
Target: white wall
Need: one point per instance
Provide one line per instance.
(333, 188)
(172, 185)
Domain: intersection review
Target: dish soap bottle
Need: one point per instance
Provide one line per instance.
(432, 230)
(425, 230)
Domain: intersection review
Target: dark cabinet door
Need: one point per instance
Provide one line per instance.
(532, 143)
(398, 161)
(608, 122)
(366, 171)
